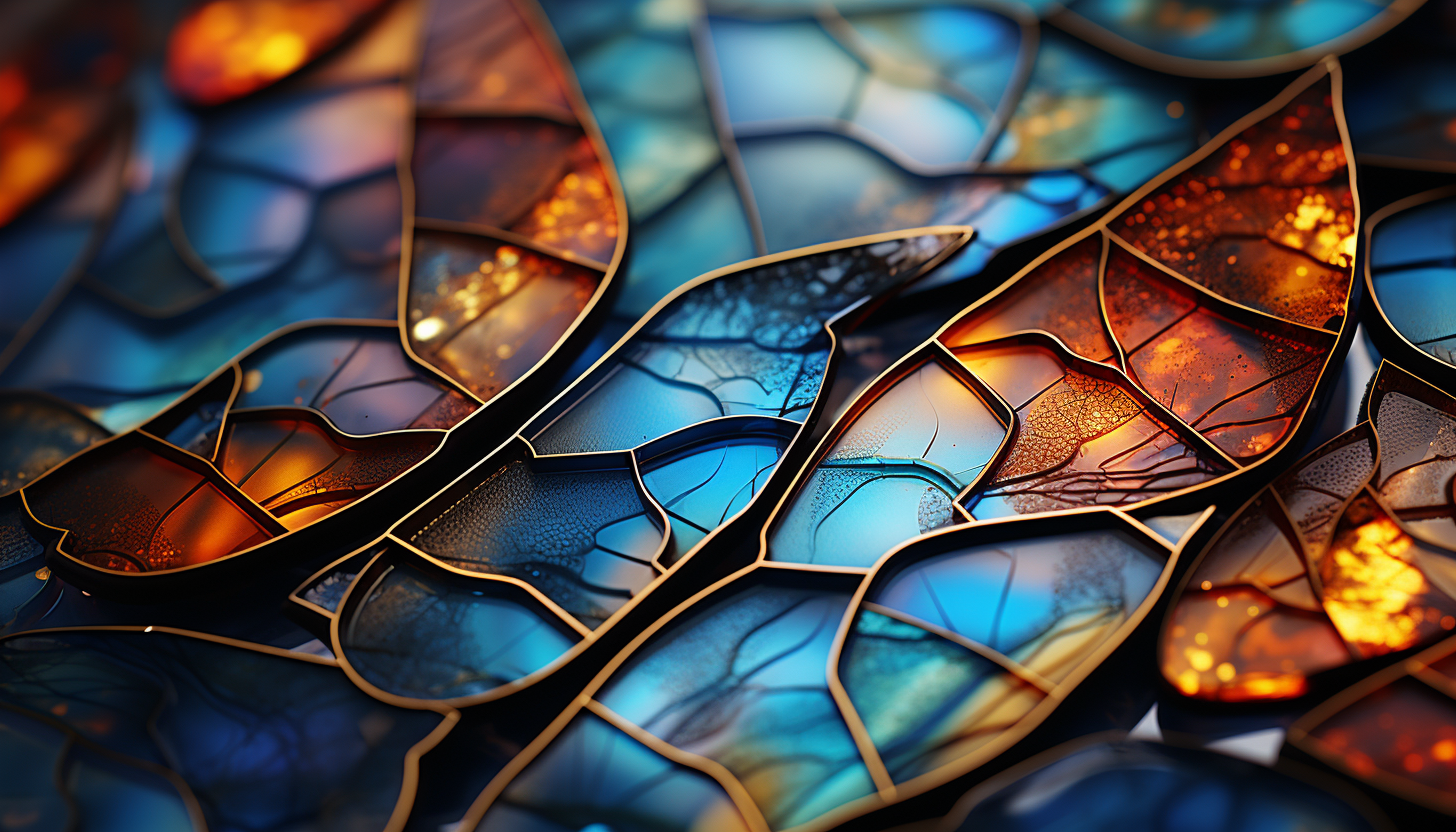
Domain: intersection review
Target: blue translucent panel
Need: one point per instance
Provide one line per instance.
(114, 796)
(743, 683)
(45, 245)
(1047, 603)
(702, 486)
(704, 228)
(39, 433)
(1413, 270)
(1080, 106)
(314, 140)
(782, 70)
(1112, 787)
(595, 777)
(893, 474)
(164, 139)
(1228, 31)
(926, 700)
(1415, 236)
(817, 188)
(262, 740)
(359, 377)
(244, 226)
(585, 538)
(31, 754)
(976, 48)
(927, 126)
(1402, 104)
(751, 342)
(423, 636)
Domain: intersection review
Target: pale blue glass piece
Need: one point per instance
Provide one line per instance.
(781, 70)
(926, 700)
(705, 485)
(704, 228)
(584, 537)
(419, 636)
(893, 474)
(1413, 271)
(613, 416)
(594, 777)
(244, 226)
(1017, 598)
(260, 739)
(743, 683)
(928, 127)
(976, 48)
(1117, 786)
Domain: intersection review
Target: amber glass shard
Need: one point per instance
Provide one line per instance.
(1417, 427)
(1377, 589)
(1405, 730)
(1267, 220)
(57, 94)
(1081, 440)
(579, 214)
(1242, 386)
(301, 470)
(1059, 298)
(128, 508)
(484, 312)
(225, 49)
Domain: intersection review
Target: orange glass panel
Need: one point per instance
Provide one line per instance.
(132, 510)
(1239, 385)
(579, 214)
(1375, 589)
(300, 471)
(1257, 551)
(225, 49)
(1267, 220)
(1406, 729)
(1059, 298)
(485, 313)
(52, 103)
(1238, 644)
(1081, 439)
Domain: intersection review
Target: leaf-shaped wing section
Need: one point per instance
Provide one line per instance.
(252, 738)
(665, 440)
(1141, 358)
(1347, 555)
(1392, 731)
(225, 49)
(788, 683)
(519, 220)
(1106, 785)
(1222, 39)
(289, 433)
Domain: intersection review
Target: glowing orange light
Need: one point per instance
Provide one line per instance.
(225, 49)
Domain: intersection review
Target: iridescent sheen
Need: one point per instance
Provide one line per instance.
(1413, 273)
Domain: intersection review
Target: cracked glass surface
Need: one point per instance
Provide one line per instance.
(225, 721)
(1346, 556)
(893, 473)
(419, 635)
(742, 683)
(586, 538)
(792, 127)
